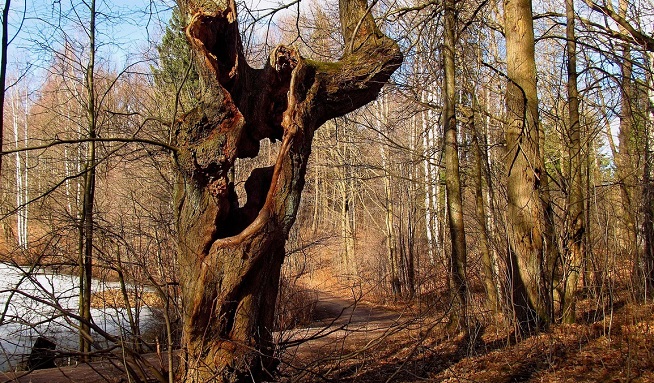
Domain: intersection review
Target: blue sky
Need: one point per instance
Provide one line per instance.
(126, 30)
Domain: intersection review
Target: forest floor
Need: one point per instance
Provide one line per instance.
(382, 344)
(353, 340)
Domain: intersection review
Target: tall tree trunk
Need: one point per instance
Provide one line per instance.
(347, 203)
(432, 180)
(529, 230)
(648, 222)
(389, 214)
(391, 241)
(413, 217)
(592, 268)
(230, 257)
(457, 263)
(347, 231)
(626, 158)
(23, 211)
(648, 187)
(3, 70)
(492, 296)
(574, 240)
(21, 170)
(88, 200)
(315, 216)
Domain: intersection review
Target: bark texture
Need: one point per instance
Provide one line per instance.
(86, 225)
(230, 256)
(458, 285)
(530, 239)
(481, 211)
(628, 160)
(574, 241)
(648, 188)
(3, 67)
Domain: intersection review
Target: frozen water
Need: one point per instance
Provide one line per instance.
(34, 304)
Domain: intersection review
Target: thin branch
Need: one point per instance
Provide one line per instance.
(83, 140)
(647, 42)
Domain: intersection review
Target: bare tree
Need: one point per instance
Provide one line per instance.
(86, 225)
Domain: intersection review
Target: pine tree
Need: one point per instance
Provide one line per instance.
(176, 71)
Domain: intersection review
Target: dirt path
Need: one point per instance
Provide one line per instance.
(342, 329)
(336, 311)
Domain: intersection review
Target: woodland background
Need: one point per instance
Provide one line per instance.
(86, 170)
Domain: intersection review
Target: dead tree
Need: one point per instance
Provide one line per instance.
(230, 256)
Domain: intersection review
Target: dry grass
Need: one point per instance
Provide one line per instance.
(113, 298)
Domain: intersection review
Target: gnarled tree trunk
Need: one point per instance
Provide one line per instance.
(230, 256)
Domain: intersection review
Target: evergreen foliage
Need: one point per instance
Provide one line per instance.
(176, 71)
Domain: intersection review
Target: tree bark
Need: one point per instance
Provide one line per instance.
(458, 285)
(574, 241)
(3, 69)
(648, 187)
(431, 179)
(86, 221)
(347, 210)
(22, 170)
(492, 296)
(230, 256)
(528, 222)
(389, 214)
(627, 158)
